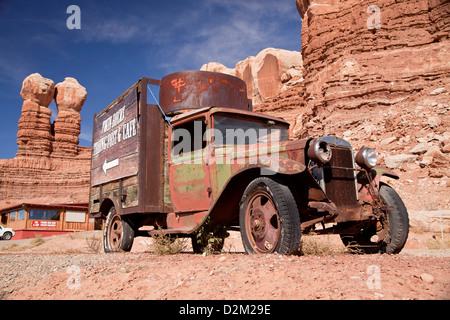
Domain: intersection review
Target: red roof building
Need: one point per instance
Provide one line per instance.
(31, 219)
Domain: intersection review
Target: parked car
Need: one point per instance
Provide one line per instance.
(6, 233)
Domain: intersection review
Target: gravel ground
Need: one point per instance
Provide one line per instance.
(55, 270)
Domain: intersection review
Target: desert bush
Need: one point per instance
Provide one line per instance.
(165, 244)
(94, 243)
(319, 246)
(210, 239)
(38, 240)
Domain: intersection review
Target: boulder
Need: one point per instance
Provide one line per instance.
(70, 95)
(437, 91)
(434, 122)
(218, 67)
(420, 148)
(38, 89)
(393, 162)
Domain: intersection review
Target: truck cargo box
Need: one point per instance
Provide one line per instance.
(128, 168)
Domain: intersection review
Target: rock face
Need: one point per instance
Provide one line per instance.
(69, 98)
(359, 54)
(49, 166)
(268, 74)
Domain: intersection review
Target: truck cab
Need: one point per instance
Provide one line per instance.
(201, 155)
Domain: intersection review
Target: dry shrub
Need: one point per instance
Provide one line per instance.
(94, 244)
(319, 246)
(164, 244)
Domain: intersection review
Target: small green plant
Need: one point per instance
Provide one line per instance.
(209, 239)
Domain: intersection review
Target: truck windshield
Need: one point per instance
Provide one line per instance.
(232, 130)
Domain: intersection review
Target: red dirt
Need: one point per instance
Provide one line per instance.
(62, 268)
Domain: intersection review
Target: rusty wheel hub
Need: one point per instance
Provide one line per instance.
(263, 223)
(115, 232)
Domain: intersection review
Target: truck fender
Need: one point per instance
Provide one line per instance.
(383, 171)
(107, 204)
(226, 207)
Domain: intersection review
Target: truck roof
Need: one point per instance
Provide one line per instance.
(212, 110)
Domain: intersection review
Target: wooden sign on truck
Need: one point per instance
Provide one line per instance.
(115, 141)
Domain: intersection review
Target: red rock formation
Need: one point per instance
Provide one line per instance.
(359, 54)
(268, 74)
(49, 166)
(34, 134)
(69, 98)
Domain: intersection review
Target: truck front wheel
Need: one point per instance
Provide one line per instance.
(387, 235)
(269, 218)
(118, 235)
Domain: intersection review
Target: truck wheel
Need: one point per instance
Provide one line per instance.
(7, 236)
(118, 235)
(269, 218)
(387, 235)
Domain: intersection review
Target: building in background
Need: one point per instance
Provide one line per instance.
(31, 219)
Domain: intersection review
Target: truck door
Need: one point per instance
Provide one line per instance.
(189, 176)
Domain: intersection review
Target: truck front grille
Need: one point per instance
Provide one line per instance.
(340, 178)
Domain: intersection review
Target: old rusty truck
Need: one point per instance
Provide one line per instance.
(200, 156)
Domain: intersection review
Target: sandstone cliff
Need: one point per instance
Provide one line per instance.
(361, 53)
(378, 74)
(49, 166)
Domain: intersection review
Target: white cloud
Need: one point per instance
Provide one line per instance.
(110, 31)
(244, 29)
(86, 136)
(186, 36)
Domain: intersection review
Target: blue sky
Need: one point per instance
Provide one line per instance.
(122, 41)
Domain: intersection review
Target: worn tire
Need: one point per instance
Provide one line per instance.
(118, 235)
(397, 224)
(269, 219)
(398, 219)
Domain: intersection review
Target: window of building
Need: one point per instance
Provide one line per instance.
(40, 214)
(12, 216)
(21, 215)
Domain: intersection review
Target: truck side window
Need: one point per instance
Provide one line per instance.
(188, 137)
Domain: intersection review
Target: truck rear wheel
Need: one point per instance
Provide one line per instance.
(269, 218)
(118, 235)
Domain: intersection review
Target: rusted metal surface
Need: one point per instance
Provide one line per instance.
(198, 89)
(340, 183)
(185, 222)
(262, 222)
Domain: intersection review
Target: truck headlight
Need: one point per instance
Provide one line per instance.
(366, 158)
(319, 151)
